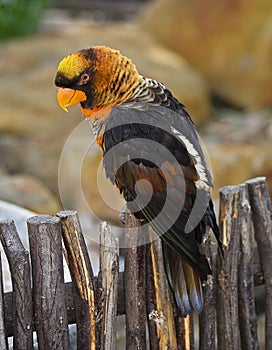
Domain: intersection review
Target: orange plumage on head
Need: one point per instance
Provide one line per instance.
(113, 76)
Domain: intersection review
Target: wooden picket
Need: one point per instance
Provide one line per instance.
(42, 302)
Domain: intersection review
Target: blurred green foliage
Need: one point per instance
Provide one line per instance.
(19, 17)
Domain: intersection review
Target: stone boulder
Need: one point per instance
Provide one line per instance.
(239, 147)
(229, 42)
(234, 164)
(28, 192)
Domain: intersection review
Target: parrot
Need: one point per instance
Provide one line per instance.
(152, 154)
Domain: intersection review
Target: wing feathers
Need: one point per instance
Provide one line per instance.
(173, 182)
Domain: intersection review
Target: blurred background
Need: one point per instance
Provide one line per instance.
(215, 55)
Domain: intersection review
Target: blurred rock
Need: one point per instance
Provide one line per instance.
(249, 127)
(239, 147)
(9, 211)
(229, 42)
(28, 192)
(234, 164)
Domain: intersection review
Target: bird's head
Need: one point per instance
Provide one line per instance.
(97, 77)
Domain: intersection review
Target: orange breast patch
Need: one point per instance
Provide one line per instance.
(96, 113)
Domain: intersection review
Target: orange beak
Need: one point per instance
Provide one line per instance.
(69, 97)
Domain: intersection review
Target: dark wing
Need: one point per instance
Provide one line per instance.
(143, 141)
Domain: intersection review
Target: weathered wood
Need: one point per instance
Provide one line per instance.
(82, 277)
(19, 265)
(257, 268)
(108, 281)
(3, 340)
(147, 299)
(261, 215)
(207, 318)
(247, 313)
(227, 315)
(135, 286)
(160, 313)
(48, 282)
(70, 303)
(258, 280)
(185, 332)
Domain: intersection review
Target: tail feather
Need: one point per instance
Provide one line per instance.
(185, 282)
(194, 287)
(181, 292)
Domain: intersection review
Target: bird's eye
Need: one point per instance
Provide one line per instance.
(85, 77)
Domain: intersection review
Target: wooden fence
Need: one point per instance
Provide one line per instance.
(41, 301)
